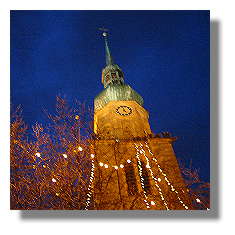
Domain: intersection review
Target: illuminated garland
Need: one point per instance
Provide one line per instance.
(141, 177)
(89, 194)
(105, 165)
(140, 170)
(202, 203)
(139, 150)
(154, 178)
(165, 177)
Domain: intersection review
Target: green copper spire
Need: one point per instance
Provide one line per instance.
(112, 73)
(113, 81)
(109, 59)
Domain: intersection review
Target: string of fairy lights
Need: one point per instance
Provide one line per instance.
(91, 178)
(89, 194)
(165, 176)
(139, 151)
(142, 180)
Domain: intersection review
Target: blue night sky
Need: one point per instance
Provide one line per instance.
(165, 57)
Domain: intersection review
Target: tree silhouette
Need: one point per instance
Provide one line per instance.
(51, 164)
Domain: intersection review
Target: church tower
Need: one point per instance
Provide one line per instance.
(131, 168)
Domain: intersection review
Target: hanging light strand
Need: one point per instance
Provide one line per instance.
(154, 178)
(165, 177)
(91, 180)
(141, 177)
(106, 165)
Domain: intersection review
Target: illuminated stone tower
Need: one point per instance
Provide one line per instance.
(131, 168)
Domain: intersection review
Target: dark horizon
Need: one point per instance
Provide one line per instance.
(165, 57)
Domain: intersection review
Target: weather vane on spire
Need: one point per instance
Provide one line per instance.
(104, 30)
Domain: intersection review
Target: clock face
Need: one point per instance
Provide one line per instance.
(124, 110)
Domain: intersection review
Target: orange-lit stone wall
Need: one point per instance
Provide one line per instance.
(125, 141)
(110, 184)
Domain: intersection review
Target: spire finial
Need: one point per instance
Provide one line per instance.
(109, 59)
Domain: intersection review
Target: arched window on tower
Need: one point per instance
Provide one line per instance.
(130, 179)
(114, 75)
(107, 78)
(145, 178)
(120, 74)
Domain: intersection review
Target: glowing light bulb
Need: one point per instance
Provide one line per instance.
(152, 203)
(38, 154)
(57, 194)
(116, 167)
(101, 164)
(121, 166)
(53, 180)
(65, 155)
(77, 117)
(92, 155)
(186, 207)
(44, 166)
(106, 166)
(159, 179)
(80, 148)
(198, 200)
(128, 161)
